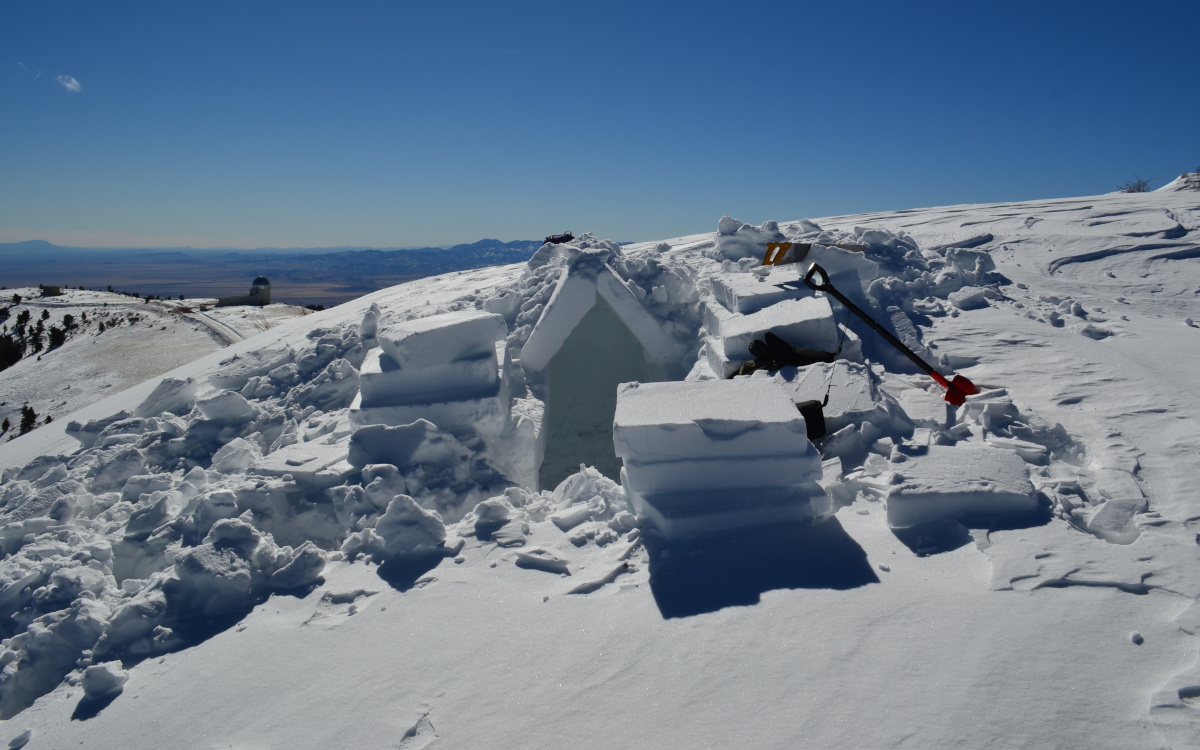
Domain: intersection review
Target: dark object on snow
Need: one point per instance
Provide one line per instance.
(957, 389)
(771, 353)
(814, 417)
(558, 239)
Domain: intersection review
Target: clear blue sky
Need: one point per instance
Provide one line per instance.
(409, 123)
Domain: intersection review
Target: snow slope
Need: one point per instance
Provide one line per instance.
(547, 619)
(140, 340)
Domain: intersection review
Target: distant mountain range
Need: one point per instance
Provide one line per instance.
(298, 275)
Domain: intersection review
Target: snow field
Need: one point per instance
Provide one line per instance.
(157, 532)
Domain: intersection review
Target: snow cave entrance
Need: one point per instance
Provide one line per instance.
(582, 379)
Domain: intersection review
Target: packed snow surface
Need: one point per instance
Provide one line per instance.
(285, 543)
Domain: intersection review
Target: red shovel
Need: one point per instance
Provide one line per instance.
(957, 389)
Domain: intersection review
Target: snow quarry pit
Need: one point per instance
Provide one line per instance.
(381, 508)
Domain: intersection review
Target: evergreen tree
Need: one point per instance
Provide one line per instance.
(28, 419)
(58, 337)
(4, 425)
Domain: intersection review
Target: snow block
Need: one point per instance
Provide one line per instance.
(658, 344)
(312, 464)
(853, 397)
(708, 456)
(960, 481)
(746, 293)
(487, 415)
(707, 419)
(419, 442)
(227, 407)
(383, 382)
(926, 409)
(439, 339)
(806, 323)
(171, 394)
(850, 272)
(702, 474)
(572, 298)
(698, 512)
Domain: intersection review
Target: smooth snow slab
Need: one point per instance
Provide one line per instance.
(806, 323)
(487, 415)
(706, 419)
(747, 293)
(958, 481)
(740, 471)
(313, 463)
(383, 382)
(717, 511)
(440, 339)
(926, 409)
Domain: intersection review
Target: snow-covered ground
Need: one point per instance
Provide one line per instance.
(140, 340)
(212, 548)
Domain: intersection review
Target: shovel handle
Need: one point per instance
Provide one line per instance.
(957, 390)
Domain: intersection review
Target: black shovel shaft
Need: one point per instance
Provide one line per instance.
(825, 286)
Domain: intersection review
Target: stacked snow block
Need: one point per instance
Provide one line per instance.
(708, 456)
(807, 323)
(450, 369)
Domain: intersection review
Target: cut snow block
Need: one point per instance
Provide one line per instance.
(171, 394)
(488, 415)
(398, 446)
(572, 298)
(705, 474)
(746, 293)
(383, 382)
(850, 272)
(658, 344)
(958, 482)
(707, 419)
(679, 514)
(853, 398)
(806, 323)
(443, 338)
(926, 409)
(310, 464)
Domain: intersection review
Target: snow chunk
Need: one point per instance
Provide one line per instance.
(806, 323)
(408, 529)
(968, 298)
(419, 442)
(962, 481)
(171, 395)
(384, 383)
(235, 456)
(104, 680)
(715, 418)
(227, 407)
(439, 339)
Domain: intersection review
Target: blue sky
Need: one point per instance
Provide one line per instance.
(402, 123)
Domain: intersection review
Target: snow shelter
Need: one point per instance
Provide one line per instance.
(593, 335)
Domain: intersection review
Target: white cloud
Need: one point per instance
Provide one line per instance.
(70, 84)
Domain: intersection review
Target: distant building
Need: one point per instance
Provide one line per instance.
(260, 295)
(51, 291)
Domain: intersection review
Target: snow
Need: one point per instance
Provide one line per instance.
(937, 482)
(440, 339)
(236, 597)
